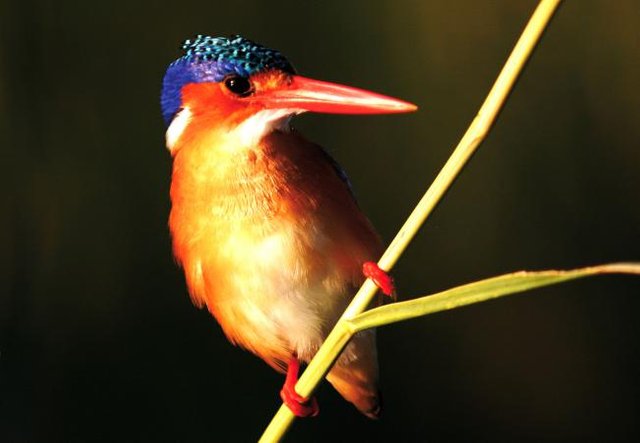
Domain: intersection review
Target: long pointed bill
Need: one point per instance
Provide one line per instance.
(307, 94)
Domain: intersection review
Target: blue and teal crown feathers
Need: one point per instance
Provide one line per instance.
(233, 55)
(211, 59)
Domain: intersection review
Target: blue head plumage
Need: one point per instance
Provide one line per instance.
(211, 59)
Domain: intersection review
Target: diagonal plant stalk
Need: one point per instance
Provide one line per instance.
(476, 133)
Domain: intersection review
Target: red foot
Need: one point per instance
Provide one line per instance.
(299, 405)
(382, 280)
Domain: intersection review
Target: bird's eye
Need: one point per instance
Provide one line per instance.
(240, 86)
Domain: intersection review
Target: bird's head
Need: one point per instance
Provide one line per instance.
(228, 82)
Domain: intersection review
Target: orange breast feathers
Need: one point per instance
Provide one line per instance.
(270, 238)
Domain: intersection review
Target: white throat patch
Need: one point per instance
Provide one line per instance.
(177, 127)
(246, 134)
(250, 132)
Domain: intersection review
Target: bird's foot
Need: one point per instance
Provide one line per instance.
(299, 405)
(382, 280)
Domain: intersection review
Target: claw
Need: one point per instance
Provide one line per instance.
(299, 405)
(382, 280)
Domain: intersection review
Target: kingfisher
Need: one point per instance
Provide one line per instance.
(264, 222)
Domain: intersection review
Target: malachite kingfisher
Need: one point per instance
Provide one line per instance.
(263, 221)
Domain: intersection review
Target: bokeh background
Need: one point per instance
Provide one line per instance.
(98, 338)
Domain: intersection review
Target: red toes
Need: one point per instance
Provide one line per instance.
(382, 280)
(299, 405)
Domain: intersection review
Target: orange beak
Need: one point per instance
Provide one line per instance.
(306, 94)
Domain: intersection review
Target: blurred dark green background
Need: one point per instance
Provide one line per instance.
(98, 338)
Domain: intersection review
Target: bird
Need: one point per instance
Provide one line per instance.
(263, 221)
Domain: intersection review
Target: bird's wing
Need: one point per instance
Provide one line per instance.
(339, 172)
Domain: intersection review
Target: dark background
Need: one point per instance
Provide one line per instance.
(98, 338)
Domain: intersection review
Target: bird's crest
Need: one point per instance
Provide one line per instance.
(233, 55)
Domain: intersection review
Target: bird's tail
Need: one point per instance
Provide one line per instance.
(355, 374)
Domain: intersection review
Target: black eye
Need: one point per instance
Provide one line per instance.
(240, 86)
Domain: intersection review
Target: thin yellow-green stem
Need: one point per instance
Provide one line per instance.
(479, 291)
(340, 335)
